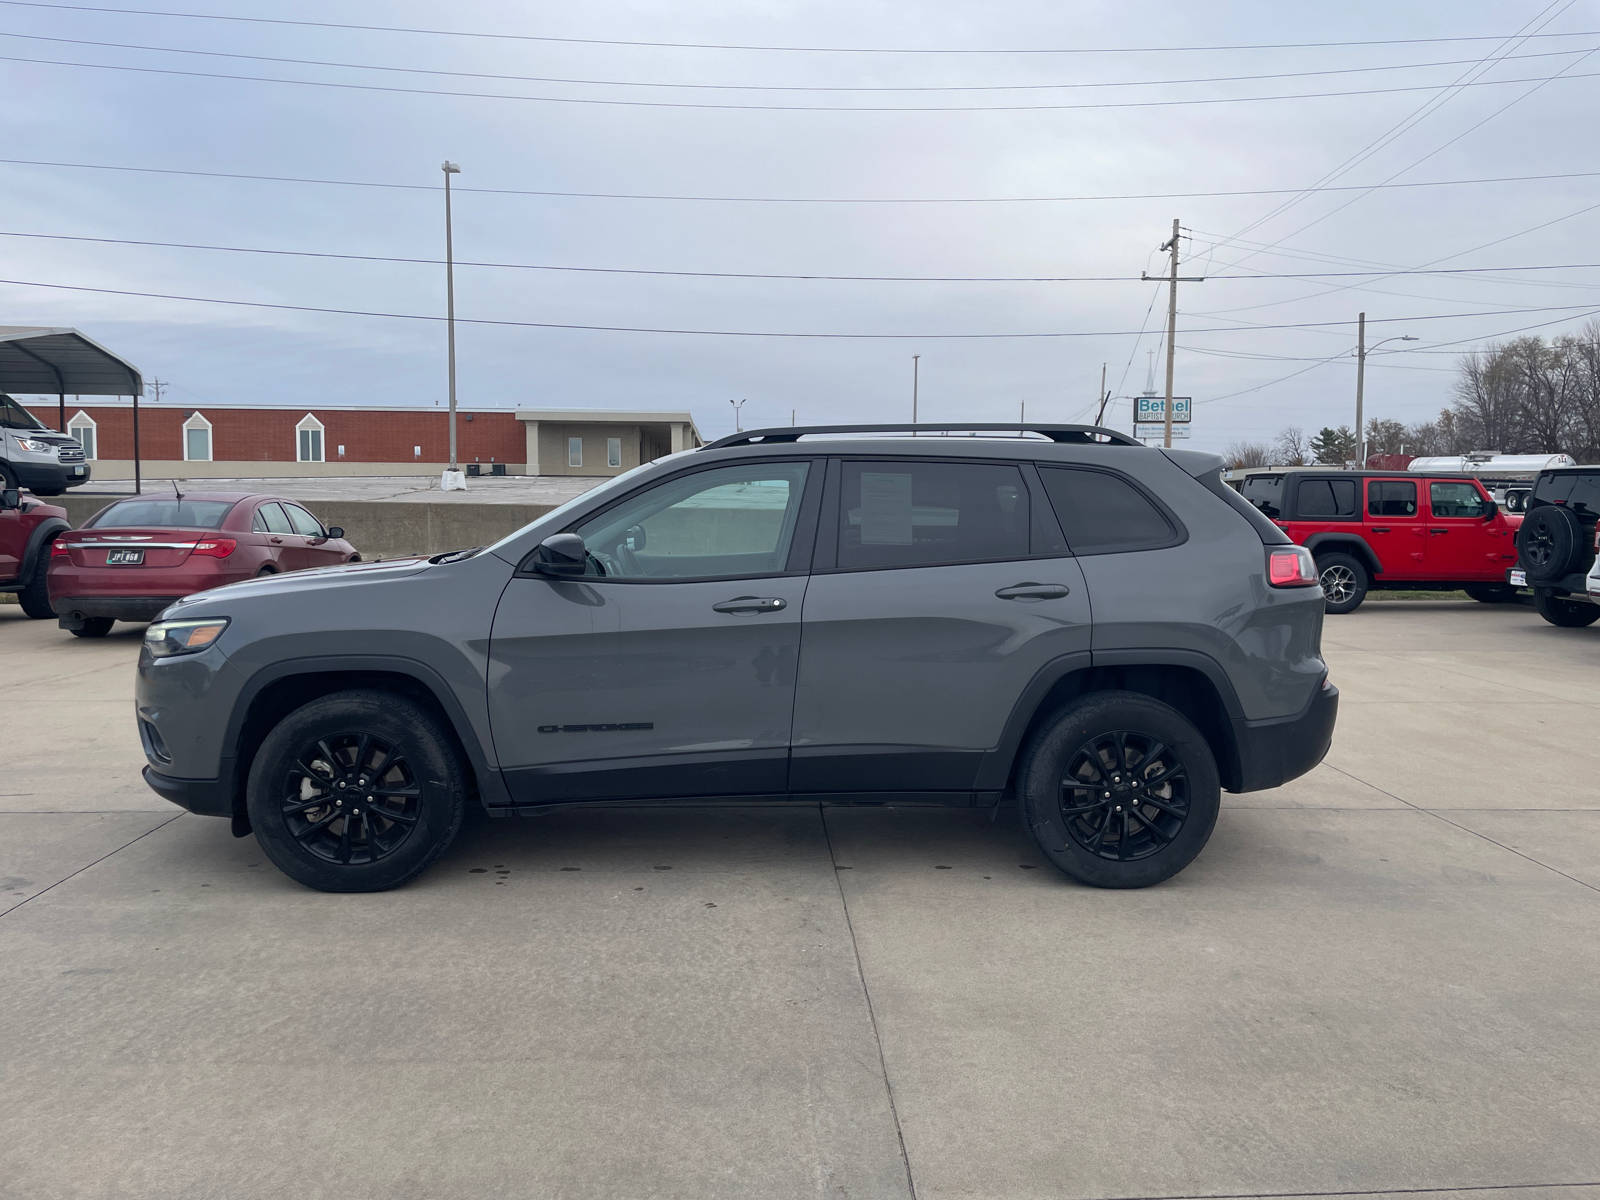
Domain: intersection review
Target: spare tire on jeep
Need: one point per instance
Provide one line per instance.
(1550, 543)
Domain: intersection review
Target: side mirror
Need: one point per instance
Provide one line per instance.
(335, 532)
(10, 498)
(1490, 508)
(559, 554)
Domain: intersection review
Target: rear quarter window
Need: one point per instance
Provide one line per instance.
(1102, 513)
(1265, 492)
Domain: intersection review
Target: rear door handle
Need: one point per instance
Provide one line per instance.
(1437, 532)
(277, 541)
(751, 604)
(1034, 591)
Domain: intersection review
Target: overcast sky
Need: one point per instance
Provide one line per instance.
(1151, 135)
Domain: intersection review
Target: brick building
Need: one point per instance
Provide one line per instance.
(219, 441)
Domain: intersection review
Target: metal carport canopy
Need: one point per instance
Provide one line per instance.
(38, 360)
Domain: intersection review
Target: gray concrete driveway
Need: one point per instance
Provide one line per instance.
(1381, 978)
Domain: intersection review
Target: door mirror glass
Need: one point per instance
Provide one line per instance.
(10, 498)
(335, 531)
(559, 554)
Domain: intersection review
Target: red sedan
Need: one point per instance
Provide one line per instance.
(135, 557)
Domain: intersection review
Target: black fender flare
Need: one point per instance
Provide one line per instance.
(994, 771)
(38, 542)
(1351, 543)
(491, 785)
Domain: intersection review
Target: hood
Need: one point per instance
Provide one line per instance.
(321, 577)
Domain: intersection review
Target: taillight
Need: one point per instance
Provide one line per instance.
(215, 548)
(1291, 566)
(59, 550)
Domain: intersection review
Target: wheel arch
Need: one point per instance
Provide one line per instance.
(1188, 681)
(38, 543)
(277, 691)
(1347, 543)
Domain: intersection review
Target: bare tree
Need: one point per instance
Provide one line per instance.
(1486, 411)
(1248, 454)
(1293, 448)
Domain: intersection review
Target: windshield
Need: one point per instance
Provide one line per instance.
(164, 513)
(14, 416)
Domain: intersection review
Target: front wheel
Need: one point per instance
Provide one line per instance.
(1344, 581)
(1119, 790)
(1569, 614)
(356, 792)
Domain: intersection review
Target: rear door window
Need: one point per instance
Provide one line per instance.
(1265, 492)
(273, 518)
(1102, 513)
(1392, 498)
(1326, 499)
(163, 513)
(918, 514)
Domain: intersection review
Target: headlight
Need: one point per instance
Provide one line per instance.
(35, 445)
(167, 638)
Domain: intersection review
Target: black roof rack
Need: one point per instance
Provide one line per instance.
(1078, 435)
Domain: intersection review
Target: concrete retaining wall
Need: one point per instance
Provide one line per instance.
(388, 528)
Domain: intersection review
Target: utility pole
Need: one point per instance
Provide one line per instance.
(1173, 279)
(1105, 396)
(1361, 379)
(916, 364)
(453, 480)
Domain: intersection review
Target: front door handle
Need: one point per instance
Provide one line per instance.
(1380, 529)
(1034, 591)
(1437, 532)
(751, 604)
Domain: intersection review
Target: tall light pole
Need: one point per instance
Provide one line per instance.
(1361, 379)
(449, 169)
(737, 405)
(916, 365)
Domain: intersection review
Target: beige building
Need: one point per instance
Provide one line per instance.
(579, 441)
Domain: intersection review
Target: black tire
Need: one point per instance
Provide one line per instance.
(50, 492)
(1344, 581)
(1569, 614)
(1491, 593)
(8, 479)
(1121, 833)
(1550, 543)
(35, 598)
(95, 627)
(264, 572)
(315, 754)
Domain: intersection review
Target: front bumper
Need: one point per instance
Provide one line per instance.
(50, 477)
(1273, 752)
(73, 609)
(208, 797)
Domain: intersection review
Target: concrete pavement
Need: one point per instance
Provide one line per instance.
(1379, 978)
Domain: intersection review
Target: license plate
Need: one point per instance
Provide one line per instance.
(129, 558)
(1519, 579)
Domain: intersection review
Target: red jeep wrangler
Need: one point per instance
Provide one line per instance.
(27, 528)
(1391, 530)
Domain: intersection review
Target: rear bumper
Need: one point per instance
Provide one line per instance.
(208, 797)
(1572, 587)
(1273, 752)
(73, 609)
(51, 477)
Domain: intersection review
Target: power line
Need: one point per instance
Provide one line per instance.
(526, 37)
(770, 87)
(434, 262)
(706, 106)
(1319, 326)
(428, 187)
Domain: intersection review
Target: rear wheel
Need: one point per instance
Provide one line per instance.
(1491, 593)
(94, 627)
(35, 598)
(1569, 614)
(1119, 790)
(1344, 581)
(356, 792)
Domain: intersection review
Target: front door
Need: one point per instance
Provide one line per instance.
(1463, 543)
(939, 603)
(315, 545)
(668, 669)
(1397, 529)
(287, 547)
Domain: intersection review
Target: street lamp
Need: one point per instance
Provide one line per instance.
(1361, 375)
(452, 481)
(737, 405)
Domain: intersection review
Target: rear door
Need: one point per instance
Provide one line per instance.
(941, 588)
(1396, 527)
(1462, 542)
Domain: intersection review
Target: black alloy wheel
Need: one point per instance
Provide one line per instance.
(1119, 790)
(350, 798)
(359, 791)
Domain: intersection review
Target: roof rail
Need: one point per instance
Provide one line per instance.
(1078, 435)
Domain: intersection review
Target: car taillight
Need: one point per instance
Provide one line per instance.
(215, 548)
(59, 550)
(1291, 566)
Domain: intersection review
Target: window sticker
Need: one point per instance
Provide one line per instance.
(885, 509)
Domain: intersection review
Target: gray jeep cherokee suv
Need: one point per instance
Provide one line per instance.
(1103, 631)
